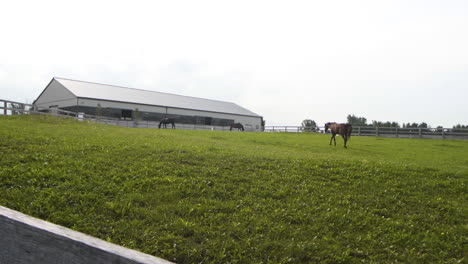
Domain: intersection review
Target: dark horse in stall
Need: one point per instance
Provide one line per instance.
(344, 130)
(166, 121)
(239, 126)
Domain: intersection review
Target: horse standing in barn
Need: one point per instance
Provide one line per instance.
(344, 130)
(239, 126)
(166, 121)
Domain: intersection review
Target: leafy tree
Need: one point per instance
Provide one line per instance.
(18, 108)
(98, 111)
(356, 121)
(136, 117)
(136, 114)
(309, 125)
(416, 125)
(384, 124)
(423, 125)
(460, 126)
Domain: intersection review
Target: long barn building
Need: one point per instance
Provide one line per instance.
(122, 103)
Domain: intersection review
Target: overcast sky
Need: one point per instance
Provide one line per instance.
(403, 61)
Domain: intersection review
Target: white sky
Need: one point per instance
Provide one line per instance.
(403, 61)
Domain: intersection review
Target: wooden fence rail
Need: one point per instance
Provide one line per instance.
(397, 132)
(17, 108)
(25, 239)
(14, 108)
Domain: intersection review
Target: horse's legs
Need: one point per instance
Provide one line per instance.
(333, 139)
(345, 138)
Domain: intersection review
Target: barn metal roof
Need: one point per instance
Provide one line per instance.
(91, 90)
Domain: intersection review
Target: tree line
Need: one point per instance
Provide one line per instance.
(358, 121)
(362, 121)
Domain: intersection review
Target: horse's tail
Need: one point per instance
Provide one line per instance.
(349, 129)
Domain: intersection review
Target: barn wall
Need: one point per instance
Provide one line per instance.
(57, 104)
(121, 105)
(247, 121)
(250, 123)
(55, 95)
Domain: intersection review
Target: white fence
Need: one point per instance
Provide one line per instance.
(151, 124)
(24, 240)
(16, 108)
(396, 132)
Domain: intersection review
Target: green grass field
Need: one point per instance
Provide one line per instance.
(230, 197)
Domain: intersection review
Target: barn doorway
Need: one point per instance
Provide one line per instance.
(126, 114)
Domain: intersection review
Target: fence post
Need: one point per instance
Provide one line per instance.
(5, 108)
(359, 131)
(377, 131)
(420, 134)
(396, 131)
(443, 133)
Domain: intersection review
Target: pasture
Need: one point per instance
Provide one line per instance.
(232, 197)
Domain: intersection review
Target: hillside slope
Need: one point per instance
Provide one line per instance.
(230, 197)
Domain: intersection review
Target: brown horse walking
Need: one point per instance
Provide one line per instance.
(344, 130)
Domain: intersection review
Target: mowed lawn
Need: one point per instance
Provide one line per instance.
(232, 197)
